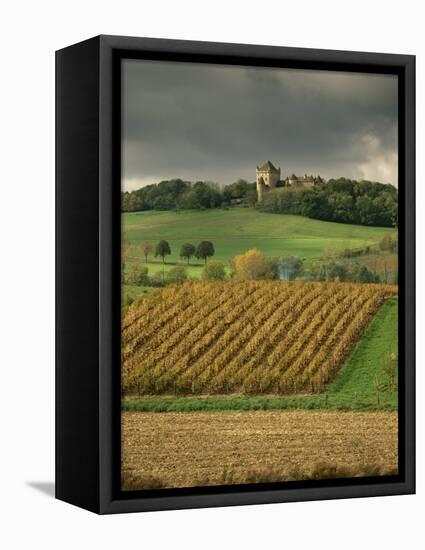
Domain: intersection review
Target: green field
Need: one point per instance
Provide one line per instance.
(238, 230)
(360, 384)
(367, 365)
(135, 291)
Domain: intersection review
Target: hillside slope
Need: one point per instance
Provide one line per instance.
(238, 230)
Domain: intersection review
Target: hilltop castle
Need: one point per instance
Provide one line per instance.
(268, 177)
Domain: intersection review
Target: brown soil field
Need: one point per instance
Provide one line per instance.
(216, 448)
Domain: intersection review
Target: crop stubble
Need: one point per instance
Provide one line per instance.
(189, 449)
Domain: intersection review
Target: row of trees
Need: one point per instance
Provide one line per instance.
(341, 200)
(204, 250)
(177, 194)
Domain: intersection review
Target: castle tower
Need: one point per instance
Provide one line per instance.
(267, 177)
(260, 189)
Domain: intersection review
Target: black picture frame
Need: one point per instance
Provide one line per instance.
(88, 273)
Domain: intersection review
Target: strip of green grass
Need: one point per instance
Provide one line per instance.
(135, 291)
(247, 403)
(366, 367)
(355, 387)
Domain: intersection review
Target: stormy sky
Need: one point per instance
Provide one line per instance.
(216, 123)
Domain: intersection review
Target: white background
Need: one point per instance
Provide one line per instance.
(30, 32)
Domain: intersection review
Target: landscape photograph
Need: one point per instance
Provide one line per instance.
(259, 275)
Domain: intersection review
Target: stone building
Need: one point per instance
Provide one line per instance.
(302, 181)
(267, 177)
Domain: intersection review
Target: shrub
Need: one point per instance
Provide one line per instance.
(334, 271)
(177, 274)
(330, 271)
(214, 271)
(157, 280)
(388, 243)
(365, 276)
(253, 265)
(138, 276)
(345, 253)
(289, 268)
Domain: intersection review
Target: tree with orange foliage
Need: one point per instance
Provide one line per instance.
(252, 265)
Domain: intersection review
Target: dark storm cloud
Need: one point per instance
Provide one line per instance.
(217, 123)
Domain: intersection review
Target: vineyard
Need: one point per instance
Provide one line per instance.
(252, 337)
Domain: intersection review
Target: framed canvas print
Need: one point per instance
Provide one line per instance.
(235, 274)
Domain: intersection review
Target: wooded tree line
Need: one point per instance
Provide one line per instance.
(341, 200)
(177, 194)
